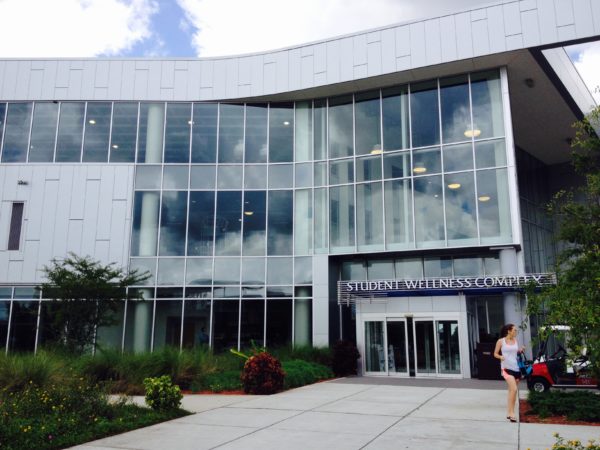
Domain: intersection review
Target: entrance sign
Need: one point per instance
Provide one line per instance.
(350, 291)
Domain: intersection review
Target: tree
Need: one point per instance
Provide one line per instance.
(86, 296)
(575, 300)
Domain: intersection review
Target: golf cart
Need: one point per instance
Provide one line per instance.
(552, 367)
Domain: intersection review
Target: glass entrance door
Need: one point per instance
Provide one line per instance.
(425, 355)
(374, 347)
(435, 343)
(437, 350)
(397, 357)
(386, 347)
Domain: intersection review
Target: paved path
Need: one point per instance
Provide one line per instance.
(349, 414)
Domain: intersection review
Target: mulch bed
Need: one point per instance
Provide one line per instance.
(238, 392)
(524, 408)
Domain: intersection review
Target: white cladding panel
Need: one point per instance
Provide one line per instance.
(72, 208)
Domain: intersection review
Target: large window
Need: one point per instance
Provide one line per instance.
(43, 132)
(16, 133)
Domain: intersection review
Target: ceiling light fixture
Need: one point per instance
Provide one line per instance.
(376, 150)
(115, 146)
(420, 169)
(92, 122)
(484, 198)
(453, 185)
(248, 213)
(286, 123)
(471, 133)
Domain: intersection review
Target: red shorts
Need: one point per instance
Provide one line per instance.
(506, 373)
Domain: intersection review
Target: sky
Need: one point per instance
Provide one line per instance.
(204, 28)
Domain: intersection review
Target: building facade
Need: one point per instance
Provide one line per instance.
(258, 189)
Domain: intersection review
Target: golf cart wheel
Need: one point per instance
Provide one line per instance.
(539, 385)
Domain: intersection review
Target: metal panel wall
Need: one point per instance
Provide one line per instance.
(82, 208)
(506, 25)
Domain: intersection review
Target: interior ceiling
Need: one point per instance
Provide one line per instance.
(541, 118)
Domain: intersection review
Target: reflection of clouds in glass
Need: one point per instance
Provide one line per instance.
(429, 213)
(228, 243)
(227, 271)
(254, 243)
(199, 271)
(280, 243)
(253, 271)
(460, 206)
(494, 213)
(143, 266)
(455, 126)
(280, 223)
(170, 271)
(279, 271)
(340, 130)
(172, 228)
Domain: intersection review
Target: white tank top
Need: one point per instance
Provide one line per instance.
(510, 355)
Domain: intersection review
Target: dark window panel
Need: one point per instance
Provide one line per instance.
(70, 132)
(280, 226)
(231, 133)
(281, 132)
(173, 223)
(424, 110)
(16, 223)
(204, 133)
(256, 133)
(43, 132)
(97, 130)
(124, 132)
(367, 116)
(177, 132)
(16, 134)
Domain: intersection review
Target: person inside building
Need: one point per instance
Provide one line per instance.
(506, 351)
(202, 337)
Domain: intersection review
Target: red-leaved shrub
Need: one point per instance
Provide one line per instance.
(262, 374)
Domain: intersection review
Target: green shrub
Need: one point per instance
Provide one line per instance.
(300, 373)
(575, 444)
(228, 380)
(345, 357)
(161, 394)
(41, 369)
(320, 355)
(579, 405)
(262, 374)
(66, 414)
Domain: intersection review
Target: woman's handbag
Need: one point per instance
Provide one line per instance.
(524, 365)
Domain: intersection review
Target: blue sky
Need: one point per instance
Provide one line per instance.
(172, 34)
(192, 28)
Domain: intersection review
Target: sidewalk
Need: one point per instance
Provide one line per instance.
(349, 414)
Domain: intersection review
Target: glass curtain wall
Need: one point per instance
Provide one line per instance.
(230, 197)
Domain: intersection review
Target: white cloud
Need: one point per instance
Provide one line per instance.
(226, 27)
(60, 28)
(586, 58)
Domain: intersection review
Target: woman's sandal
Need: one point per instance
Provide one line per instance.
(512, 419)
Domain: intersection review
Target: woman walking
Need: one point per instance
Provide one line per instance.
(506, 351)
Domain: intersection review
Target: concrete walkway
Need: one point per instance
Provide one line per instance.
(349, 414)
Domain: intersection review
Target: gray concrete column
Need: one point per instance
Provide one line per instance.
(142, 323)
(514, 305)
(302, 318)
(320, 301)
(155, 132)
(149, 223)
